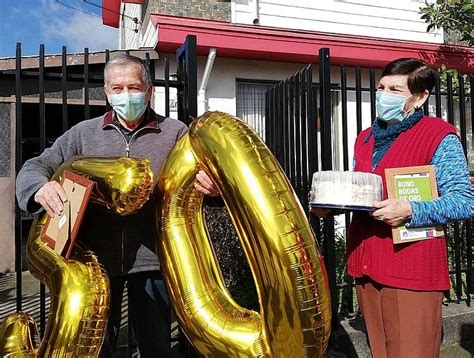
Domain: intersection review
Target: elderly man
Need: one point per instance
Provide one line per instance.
(124, 245)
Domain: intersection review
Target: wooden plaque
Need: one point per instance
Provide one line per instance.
(61, 231)
(413, 184)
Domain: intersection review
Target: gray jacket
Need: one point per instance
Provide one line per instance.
(122, 244)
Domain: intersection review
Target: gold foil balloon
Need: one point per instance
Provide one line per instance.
(294, 317)
(123, 184)
(19, 331)
(79, 288)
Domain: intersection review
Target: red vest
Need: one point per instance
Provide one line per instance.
(421, 265)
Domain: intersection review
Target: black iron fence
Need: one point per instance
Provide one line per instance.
(51, 99)
(308, 126)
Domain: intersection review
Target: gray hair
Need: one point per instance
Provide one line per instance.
(124, 60)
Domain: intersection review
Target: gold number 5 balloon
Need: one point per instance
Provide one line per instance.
(79, 288)
(294, 316)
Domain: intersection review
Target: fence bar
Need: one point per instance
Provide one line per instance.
(345, 161)
(438, 97)
(471, 85)
(457, 261)
(107, 58)
(325, 108)
(345, 144)
(42, 143)
(87, 111)
(273, 123)
(270, 123)
(289, 121)
(167, 86)
(56, 76)
(469, 223)
(311, 119)
(358, 93)
(275, 120)
(328, 228)
(18, 164)
(373, 90)
(305, 184)
(297, 136)
(280, 148)
(65, 122)
(450, 98)
(462, 114)
(187, 73)
(469, 277)
(42, 121)
(267, 117)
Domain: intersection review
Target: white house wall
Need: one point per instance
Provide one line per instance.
(129, 39)
(375, 18)
(221, 92)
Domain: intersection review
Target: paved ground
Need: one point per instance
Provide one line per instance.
(350, 338)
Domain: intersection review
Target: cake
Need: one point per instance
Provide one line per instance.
(345, 188)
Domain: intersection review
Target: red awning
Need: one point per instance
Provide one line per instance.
(111, 12)
(287, 45)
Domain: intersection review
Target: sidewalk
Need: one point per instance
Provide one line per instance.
(458, 325)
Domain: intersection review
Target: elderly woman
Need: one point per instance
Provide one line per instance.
(400, 288)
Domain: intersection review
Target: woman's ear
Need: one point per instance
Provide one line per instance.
(421, 98)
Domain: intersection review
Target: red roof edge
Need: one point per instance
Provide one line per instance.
(288, 45)
(111, 13)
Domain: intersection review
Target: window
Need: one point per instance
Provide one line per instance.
(251, 103)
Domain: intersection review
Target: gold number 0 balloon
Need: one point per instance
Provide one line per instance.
(79, 288)
(294, 317)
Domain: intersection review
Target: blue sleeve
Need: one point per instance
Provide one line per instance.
(456, 196)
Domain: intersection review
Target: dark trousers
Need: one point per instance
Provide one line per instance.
(150, 314)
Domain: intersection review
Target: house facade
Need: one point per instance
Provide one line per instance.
(245, 46)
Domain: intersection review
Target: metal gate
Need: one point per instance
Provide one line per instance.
(307, 129)
(34, 87)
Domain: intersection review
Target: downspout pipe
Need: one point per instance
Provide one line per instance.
(202, 101)
(255, 13)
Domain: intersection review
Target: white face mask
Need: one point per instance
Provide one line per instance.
(129, 106)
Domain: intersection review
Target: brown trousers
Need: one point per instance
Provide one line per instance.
(401, 323)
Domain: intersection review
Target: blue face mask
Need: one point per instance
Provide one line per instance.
(390, 107)
(129, 106)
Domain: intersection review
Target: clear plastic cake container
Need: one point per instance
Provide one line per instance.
(345, 190)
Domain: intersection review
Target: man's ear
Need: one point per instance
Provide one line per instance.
(149, 94)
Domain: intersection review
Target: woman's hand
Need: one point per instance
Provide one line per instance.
(394, 212)
(205, 185)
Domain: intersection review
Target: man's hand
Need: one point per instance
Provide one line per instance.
(51, 196)
(205, 185)
(394, 212)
